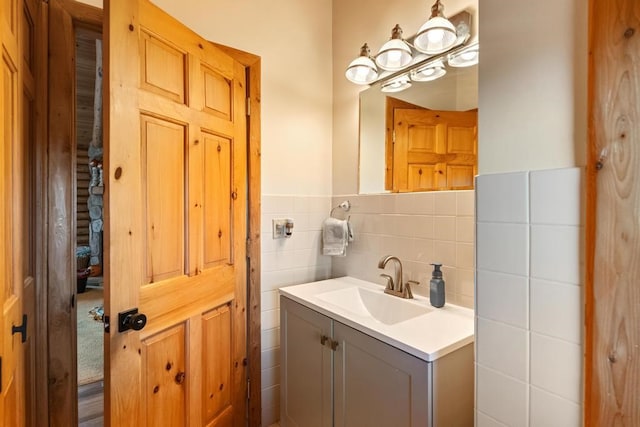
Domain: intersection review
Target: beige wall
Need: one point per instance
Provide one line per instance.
(354, 23)
(532, 94)
(293, 37)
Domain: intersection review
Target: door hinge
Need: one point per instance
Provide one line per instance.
(248, 249)
(248, 106)
(0, 374)
(22, 329)
(393, 136)
(248, 388)
(107, 325)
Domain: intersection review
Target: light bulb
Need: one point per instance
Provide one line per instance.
(435, 36)
(393, 58)
(469, 55)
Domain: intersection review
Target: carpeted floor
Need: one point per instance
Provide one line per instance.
(90, 337)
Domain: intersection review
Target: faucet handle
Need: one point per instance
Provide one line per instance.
(407, 289)
(389, 281)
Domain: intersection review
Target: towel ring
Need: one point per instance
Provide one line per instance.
(345, 206)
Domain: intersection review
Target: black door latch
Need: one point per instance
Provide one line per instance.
(131, 320)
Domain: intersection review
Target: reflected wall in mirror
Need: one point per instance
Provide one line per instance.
(455, 91)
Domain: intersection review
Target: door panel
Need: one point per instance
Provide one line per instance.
(176, 162)
(164, 377)
(216, 326)
(217, 204)
(163, 68)
(163, 153)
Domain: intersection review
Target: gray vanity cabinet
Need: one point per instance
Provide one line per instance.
(376, 384)
(334, 375)
(306, 397)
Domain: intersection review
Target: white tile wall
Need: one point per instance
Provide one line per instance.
(483, 420)
(501, 397)
(503, 348)
(507, 201)
(529, 298)
(419, 228)
(503, 247)
(548, 410)
(503, 297)
(555, 197)
(556, 366)
(285, 262)
(555, 252)
(556, 310)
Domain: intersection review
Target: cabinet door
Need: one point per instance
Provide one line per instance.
(376, 384)
(305, 392)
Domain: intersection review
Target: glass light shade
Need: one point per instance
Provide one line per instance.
(396, 85)
(394, 55)
(429, 73)
(465, 58)
(435, 36)
(362, 71)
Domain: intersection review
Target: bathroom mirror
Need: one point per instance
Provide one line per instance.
(455, 91)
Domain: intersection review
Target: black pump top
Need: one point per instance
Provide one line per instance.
(437, 274)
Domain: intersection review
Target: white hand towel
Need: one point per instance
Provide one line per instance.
(335, 237)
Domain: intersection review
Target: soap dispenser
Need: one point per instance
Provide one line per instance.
(436, 287)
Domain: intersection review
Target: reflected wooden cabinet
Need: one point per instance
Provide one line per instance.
(334, 375)
(432, 150)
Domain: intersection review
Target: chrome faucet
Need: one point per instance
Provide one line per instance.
(395, 286)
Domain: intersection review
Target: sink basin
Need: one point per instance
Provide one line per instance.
(365, 302)
(411, 325)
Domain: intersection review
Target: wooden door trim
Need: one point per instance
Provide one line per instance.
(62, 391)
(253, 66)
(41, 323)
(612, 321)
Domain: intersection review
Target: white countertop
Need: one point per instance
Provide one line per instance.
(427, 336)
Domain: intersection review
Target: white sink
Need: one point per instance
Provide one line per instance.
(412, 325)
(382, 307)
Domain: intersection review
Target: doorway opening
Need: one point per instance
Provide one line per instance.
(89, 190)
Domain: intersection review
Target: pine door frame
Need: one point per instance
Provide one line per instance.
(62, 390)
(58, 367)
(612, 361)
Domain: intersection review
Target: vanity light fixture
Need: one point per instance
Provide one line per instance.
(362, 70)
(429, 72)
(466, 57)
(437, 34)
(397, 85)
(395, 54)
(419, 58)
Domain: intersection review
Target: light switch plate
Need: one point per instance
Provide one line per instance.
(282, 228)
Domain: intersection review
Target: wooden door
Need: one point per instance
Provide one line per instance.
(175, 135)
(434, 150)
(17, 277)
